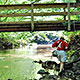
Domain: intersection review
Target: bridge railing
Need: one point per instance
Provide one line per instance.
(33, 7)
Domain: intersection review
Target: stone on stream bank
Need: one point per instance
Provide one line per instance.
(71, 70)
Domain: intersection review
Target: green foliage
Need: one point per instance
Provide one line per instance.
(73, 42)
(23, 38)
(71, 34)
(1, 2)
(69, 0)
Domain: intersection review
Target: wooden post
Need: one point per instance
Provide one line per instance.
(69, 22)
(74, 20)
(32, 16)
(0, 17)
(64, 15)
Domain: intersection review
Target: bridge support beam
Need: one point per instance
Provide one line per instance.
(32, 16)
(69, 22)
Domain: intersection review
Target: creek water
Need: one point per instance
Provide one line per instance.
(17, 64)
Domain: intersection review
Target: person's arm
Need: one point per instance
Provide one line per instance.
(66, 46)
(54, 44)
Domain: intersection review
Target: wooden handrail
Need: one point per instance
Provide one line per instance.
(42, 5)
(38, 14)
(28, 22)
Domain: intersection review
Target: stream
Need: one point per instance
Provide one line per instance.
(17, 64)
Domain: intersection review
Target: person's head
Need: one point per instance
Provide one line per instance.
(62, 38)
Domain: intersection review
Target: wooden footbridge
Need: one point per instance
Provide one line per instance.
(65, 24)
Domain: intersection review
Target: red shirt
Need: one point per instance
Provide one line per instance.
(61, 45)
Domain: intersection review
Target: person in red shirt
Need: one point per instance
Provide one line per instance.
(61, 46)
